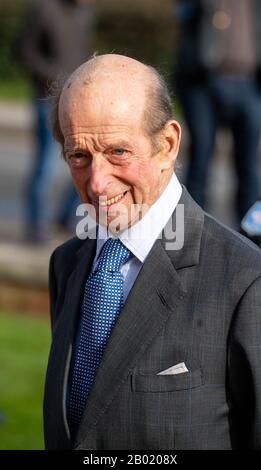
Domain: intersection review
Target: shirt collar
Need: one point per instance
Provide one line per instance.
(140, 238)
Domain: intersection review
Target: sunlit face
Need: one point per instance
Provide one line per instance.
(112, 161)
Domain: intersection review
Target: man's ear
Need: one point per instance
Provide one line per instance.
(170, 140)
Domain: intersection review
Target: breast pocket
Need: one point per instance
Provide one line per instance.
(142, 382)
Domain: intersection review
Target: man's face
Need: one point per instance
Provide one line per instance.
(112, 161)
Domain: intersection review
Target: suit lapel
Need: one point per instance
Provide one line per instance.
(188, 254)
(155, 295)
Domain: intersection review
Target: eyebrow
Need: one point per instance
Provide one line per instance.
(116, 144)
(73, 148)
(121, 143)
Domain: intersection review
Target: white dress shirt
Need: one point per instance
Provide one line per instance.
(140, 238)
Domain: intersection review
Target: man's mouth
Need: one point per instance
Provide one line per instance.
(113, 200)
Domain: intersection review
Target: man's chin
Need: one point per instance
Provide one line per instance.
(115, 224)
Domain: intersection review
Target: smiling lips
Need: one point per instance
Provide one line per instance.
(109, 202)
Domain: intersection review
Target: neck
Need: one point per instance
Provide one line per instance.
(165, 180)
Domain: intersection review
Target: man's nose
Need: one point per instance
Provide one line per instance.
(99, 176)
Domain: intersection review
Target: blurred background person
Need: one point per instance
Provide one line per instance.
(218, 81)
(56, 39)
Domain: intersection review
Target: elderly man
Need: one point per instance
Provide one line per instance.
(155, 345)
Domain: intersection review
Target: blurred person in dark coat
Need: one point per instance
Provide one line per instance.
(56, 39)
(218, 80)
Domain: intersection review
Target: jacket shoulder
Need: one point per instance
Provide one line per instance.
(234, 248)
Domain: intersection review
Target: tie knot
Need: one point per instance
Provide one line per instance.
(113, 255)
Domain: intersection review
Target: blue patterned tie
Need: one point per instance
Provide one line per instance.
(102, 303)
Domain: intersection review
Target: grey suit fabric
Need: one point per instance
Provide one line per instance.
(200, 305)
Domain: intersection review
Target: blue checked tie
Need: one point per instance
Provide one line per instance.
(102, 303)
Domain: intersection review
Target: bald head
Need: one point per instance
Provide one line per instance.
(123, 85)
(112, 84)
(111, 67)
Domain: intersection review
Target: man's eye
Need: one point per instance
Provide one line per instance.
(118, 151)
(79, 155)
(77, 159)
(75, 156)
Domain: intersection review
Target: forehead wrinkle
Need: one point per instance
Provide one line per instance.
(81, 141)
(77, 137)
(99, 144)
(75, 133)
(92, 129)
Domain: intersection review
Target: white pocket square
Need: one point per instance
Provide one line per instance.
(177, 369)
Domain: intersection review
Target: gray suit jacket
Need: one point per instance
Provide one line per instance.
(200, 305)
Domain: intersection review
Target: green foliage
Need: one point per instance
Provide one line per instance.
(18, 90)
(12, 16)
(24, 346)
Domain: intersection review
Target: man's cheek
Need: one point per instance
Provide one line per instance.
(79, 178)
(81, 185)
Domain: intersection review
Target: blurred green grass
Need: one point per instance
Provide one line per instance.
(16, 90)
(24, 347)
